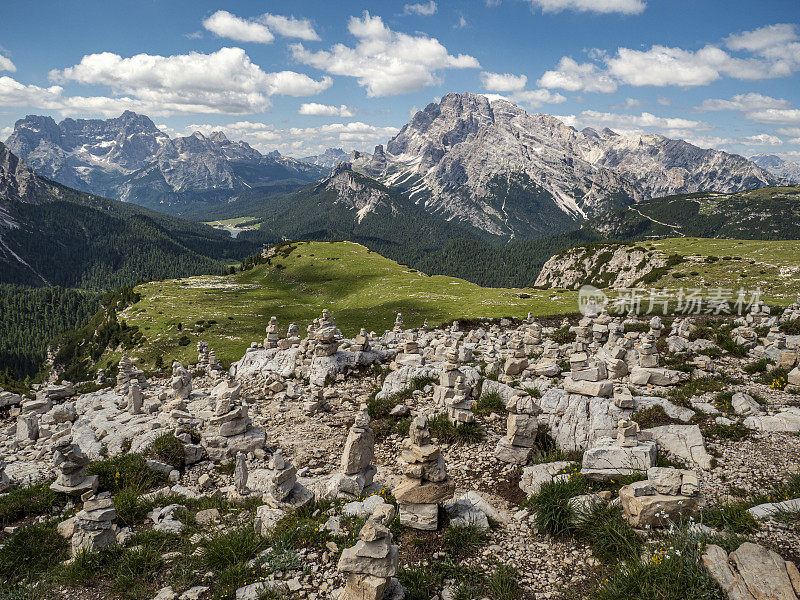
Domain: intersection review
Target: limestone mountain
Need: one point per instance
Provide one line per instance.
(54, 235)
(784, 169)
(328, 159)
(516, 175)
(128, 158)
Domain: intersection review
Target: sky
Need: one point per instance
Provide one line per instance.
(306, 75)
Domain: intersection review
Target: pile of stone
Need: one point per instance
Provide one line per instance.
(587, 378)
(93, 527)
(230, 428)
(72, 464)
(283, 490)
(368, 566)
(627, 455)
(521, 427)
(459, 406)
(273, 335)
(181, 382)
(516, 362)
(668, 496)
(127, 373)
(548, 362)
(410, 354)
(358, 472)
(292, 337)
(425, 483)
(326, 341)
(448, 377)
(207, 359)
(398, 323)
(135, 398)
(5, 481)
(361, 343)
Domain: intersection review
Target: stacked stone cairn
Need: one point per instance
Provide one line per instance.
(425, 483)
(548, 363)
(516, 362)
(230, 416)
(368, 566)
(587, 378)
(668, 496)
(135, 398)
(181, 382)
(398, 323)
(202, 356)
(358, 472)
(459, 406)
(521, 427)
(273, 335)
(292, 337)
(5, 481)
(361, 343)
(127, 373)
(283, 489)
(93, 527)
(448, 376)
(327, 343)
(627, 455)
(72, 464)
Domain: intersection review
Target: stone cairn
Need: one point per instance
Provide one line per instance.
(369, 565)
(448, 377)
(135, 398)
(398, 323)
(283, 489)
(521, 429)
(273, 335)
(202, 355)
(230, 416)
(587, 378)
(94, 525)
(627, 455)
(358, 472)
(127, 373)
(459, 406)
(326, 342)
(667, 496)
(240, 474)
(72, 464)
(516, 362)
(361, 343)
(425, 482)
(181, 382)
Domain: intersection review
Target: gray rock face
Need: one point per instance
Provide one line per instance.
(130, 159)
(753, 572)
(461, 154)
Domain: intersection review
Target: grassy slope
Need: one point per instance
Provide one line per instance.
(361, 288)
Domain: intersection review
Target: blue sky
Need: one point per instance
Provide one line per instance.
(302, 76)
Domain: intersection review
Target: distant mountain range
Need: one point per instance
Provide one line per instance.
(128, 158)
(785, 169)
(54, 235)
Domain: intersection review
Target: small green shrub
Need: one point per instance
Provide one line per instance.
(442, 429)
(30, 552)
(652, 416)
(125, 471)
(490, 402)
(503, 584)
(758, 366)
(735, 432)
(168, 449)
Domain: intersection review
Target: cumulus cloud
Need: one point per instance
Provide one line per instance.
(325, 110)
(385, 62)
(259, 30)
(571, 76)
(424, 10)
(6, 64)
(290, 27)
(629, 124)
(461, 23)
(302, 141)
(227, 25)
(226, 81)
(744, 102)
(503, 82)
(626, 7)
(790, 131)
(762, 139)
(775, 116)
(759, 40)
(536, 98)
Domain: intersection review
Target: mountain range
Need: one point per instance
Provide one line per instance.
(785, 169)
(129, 159)
(51, 234)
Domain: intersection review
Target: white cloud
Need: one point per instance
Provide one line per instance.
(6, 64)
(302, 141)
(535, 98)
(791, 131)
(775, 116)
(762, 139)
(631, 124)
(224, 24)
(571, 76)
(290, 27)
(503, 82)
(744, 102)
(325, 110)
(626, 7)
(762, 38)
(461, 23)
(425, 10)
(383, 61)
(5, 132)
(225, 81)
(259, 30)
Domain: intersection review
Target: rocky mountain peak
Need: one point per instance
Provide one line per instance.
(17, 180)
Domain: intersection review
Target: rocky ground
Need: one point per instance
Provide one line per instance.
(307, 470)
